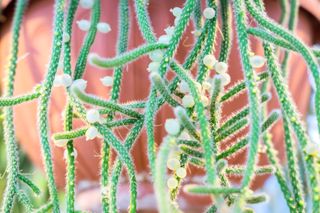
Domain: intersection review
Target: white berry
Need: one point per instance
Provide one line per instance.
(187, 101)
(225, 78)
(93, 115)
(74, 153)
(86, 4)
(209, 61)
(313, 149)
(91, 133)
(172, 126)
(66, 37)
(64, 80)
(181, 172)
(107, 81)
(209, 13)
(153, 66)
(156, 55)
(172, 183)
(84, 25)
(169, 31)
(257, 61)
(103, 27)
(173, 164)
(221, 67)
(164, 39)
(183, 87)
(176, 11)
(80, 84)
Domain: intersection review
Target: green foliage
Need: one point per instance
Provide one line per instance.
(196, 135)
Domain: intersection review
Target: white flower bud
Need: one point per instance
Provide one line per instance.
(209, 13)
(103, 27)
(173, 164)
(221, 67)
(257, 61)
(172, 126)
(60, 143)
(156, 55)
(164, 39)
(107, 81)
(181, 172)
(172, 183)
(79, 84)
(84, 25)
(169, 31)
(209, 61)
(86, 4)
(92, 133)
(93, 115)
(183, 87)
(176, 11)
(153, 66)
(187, 101)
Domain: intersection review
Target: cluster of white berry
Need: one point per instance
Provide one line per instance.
(84, 24)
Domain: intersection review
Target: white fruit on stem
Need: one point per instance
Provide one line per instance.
(173, 164)
(176, 11)
(91, 133)
(164, 39)
(187, 101)
(156, 56)
(183, 87)
(86, 4)
(172, 183)
(257, 61)
(103, 27)
(153, 66)
(221, 67)
(209, 61)
(172, 126)
(107, 81)
(84, 25)
(60, 143)
(79, 84)
(181, 172)
(93, 116)
(209, 13)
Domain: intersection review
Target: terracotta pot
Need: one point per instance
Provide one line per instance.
(35, 41)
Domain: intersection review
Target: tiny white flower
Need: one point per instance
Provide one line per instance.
(173, 164)
(79, 84)
(84, 25)
(225, 78)
(183, 87)
(91, 133)
(103, 27)
(172, 183)
(187, 101)
(176, 11)
(209, 61)
(66, 37)
(107, 81)
(153, 66)
(156, 55)
(60, 143)
(93, 115)
(86, 4)
(62, 80)
(257, 61)
(169, 30)
(209, 13)
(165, 39)
(181, 172)
(221, 67)
(172, 126)
(196, 33)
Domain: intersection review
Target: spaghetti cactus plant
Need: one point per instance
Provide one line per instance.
(195, 134)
